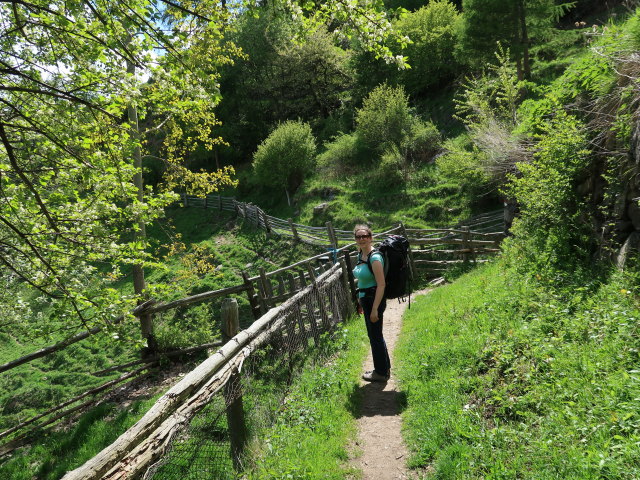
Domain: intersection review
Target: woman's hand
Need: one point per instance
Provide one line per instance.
(374, 315)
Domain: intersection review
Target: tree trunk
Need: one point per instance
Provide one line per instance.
(139, 236)
(524, 39)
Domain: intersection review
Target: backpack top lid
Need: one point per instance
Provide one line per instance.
(395, 251)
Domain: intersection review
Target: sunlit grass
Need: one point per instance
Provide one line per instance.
(51, 456)
(310, 436)
(508, 378)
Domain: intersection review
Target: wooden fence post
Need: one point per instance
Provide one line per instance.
(146, 327)
(293, 230)
(292, 284)
(266, 289)
(267, 224)
(185, 199)
(332, 235)
(345, 283)
(256, 309)
(351, 279)
(412, 264)
(303, 280)
(466, 245)
(324, 317)
(206, 197)
(256, 213)
(247, 213)
(220, 202)
(233, 387)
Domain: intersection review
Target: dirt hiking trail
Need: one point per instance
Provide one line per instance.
(382, 452)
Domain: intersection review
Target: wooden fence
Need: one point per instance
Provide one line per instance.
(433, 252)
(316, 308)
(328, 236)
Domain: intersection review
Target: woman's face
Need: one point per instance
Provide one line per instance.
(363, 238)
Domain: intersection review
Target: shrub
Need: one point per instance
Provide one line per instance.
(432, 31)
(633, 27)
(285, 156)
(424, 142)
(385, 118)
(549, 231)
(390, 172)
(462, 164)
(343, 152)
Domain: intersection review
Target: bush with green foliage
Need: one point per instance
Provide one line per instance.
(423, 143)
(281, 79)
(385, 119)
(285, 156)
(633, 30)
(515, 24)
(462, 163)
(391, 171)
(342, 155)
(432, 33)
(550, 230)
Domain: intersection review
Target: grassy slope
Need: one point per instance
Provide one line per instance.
(506, 378)
(445, 434)
(431, 199)
(52, 456)
(33, 388)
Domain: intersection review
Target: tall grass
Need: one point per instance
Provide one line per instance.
(51, 456)
(299, 411)
(316, 421)
(509, 378)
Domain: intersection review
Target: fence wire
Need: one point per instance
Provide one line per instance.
(295, 337)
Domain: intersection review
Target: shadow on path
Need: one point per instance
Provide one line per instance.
(373, 399)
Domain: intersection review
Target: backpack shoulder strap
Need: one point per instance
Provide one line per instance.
(384, 263)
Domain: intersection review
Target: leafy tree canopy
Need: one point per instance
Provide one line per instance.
(431, 51)
(83, 85)
(280, 78)
(385, 118)
(513, 23)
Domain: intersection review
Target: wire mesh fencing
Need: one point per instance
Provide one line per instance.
(224, 437)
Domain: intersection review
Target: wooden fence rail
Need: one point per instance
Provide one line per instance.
(148, 438)
(437, 241)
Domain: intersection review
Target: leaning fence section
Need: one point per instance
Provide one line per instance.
(201, 427)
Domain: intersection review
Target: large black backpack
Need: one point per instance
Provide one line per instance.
(397, 273)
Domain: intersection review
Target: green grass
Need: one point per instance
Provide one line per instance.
(299, 410)
(226, 249)
(52, 456)
(316, 421)
(429, 200)
(32, 388)
(507, 378)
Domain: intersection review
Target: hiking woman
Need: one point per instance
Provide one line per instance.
(369, 272)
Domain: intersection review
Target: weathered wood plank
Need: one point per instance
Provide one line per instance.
(199, 298)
